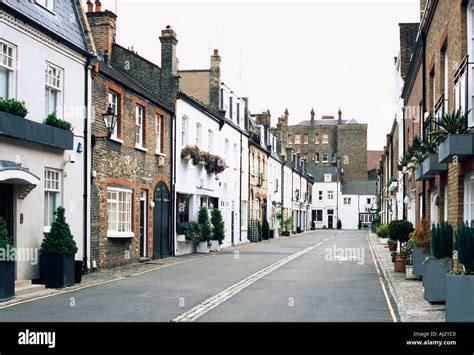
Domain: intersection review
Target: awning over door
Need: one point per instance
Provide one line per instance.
(14, 174)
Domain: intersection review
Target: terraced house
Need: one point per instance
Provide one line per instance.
(45, 58)
(439, 81)
(132, 159)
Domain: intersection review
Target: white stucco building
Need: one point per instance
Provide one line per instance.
(357, 202)
(274, 175)
(44, 59)
(325, 202)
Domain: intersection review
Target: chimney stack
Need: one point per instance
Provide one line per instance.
(103, 27)
(90, 6)
(168, 51)
(312, 117)
(215, 82)
(339, 121)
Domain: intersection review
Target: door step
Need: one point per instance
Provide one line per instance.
(144, 259)
(23, 287)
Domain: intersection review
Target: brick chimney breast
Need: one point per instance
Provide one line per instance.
(90, 6)
(98, 6)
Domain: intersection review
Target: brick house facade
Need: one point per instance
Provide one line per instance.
(131, 169)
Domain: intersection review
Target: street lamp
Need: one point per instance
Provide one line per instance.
(110, 120)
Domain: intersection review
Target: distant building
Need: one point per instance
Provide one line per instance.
(357, 203)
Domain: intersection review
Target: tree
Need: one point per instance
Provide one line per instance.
(217, 225)
(205, 224)
(59, 241)
(265, 228)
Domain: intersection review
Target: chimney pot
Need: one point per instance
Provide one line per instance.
(98, 6)
(90, 6)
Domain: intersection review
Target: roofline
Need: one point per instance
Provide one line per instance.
(47, 31)
(150, 98)
(137, 55)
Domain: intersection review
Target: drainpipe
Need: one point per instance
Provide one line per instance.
(403, 175)
(240, 189)
(423, 42)
(173, 176)
(86, 162)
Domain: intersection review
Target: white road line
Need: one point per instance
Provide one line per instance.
(216, 300)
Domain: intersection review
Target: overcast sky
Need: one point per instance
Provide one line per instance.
(321, 54)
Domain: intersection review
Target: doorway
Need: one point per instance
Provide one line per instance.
(143, 224)
(161, 222)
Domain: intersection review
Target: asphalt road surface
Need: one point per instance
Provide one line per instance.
(324, 276)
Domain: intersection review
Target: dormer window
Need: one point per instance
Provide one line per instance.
(48, 4)
(327, 177)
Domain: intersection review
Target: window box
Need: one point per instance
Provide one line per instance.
(432, 166)
(419, 174)
(456, 145)
(22, 128)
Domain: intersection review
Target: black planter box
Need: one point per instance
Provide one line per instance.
(57, 271)
(434, 279)
(78, 271)
(420, 174)
(22, 128)
(7, 280)
(459, 298)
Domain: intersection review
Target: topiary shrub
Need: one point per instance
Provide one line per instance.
(400, 230)
(265, 229)
(59, 241)
(217, 225)
(5, 241)
(442, 240)
(465, 246)
(339, 224)
(382, 231)
(13, 107)
(422, 234)
(204, 224)
(53, 120)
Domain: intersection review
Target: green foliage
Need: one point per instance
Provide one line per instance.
(5, 241)
(204, 224)
(465, 246)
(59, 241)
(53, 120)
(217, 225)
(193, 151)
(453, 123)
(382, 231)
(407, 252)
(191, 230)
(375, 224)
(288, 224)
(442, 240)
(265, 229)
(400, 230)
(259, 230)
(13, 107)
(339, 224)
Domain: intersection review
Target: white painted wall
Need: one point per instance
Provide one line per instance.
(349, 214)
(326, 204)
(33, 51)
(274, 168)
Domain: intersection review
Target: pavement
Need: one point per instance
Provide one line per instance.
(408, 294)
(320, 276)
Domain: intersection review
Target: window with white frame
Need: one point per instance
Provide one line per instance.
(184, 130)
(316, 138)
(49, 4)
(469, 198)
(327, 177)
(297, 138)
(52, 194)
(53, 89)
(139, 125)
(347, 200)
(198, 135)
(325, 139)
(330, 195)
(325, 157)
(210, 141)
(119, 211)
(113, 101)
(320, 195)
(7, 70)
(159, 133)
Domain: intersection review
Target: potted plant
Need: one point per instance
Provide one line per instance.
(182, 231)
(382, 231)
(191, 152)
(287, 225)
(265, 229)
(13, 107)
(436, 267)
(421, 249)
(460, 284)
(205, 231)
(407, 255)
(218, 228)
(53, 120)
(398, 231)
(7, 266)
(57, 254)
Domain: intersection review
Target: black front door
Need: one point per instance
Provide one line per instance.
(330, 226)
(161, 222)
(6, 206)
